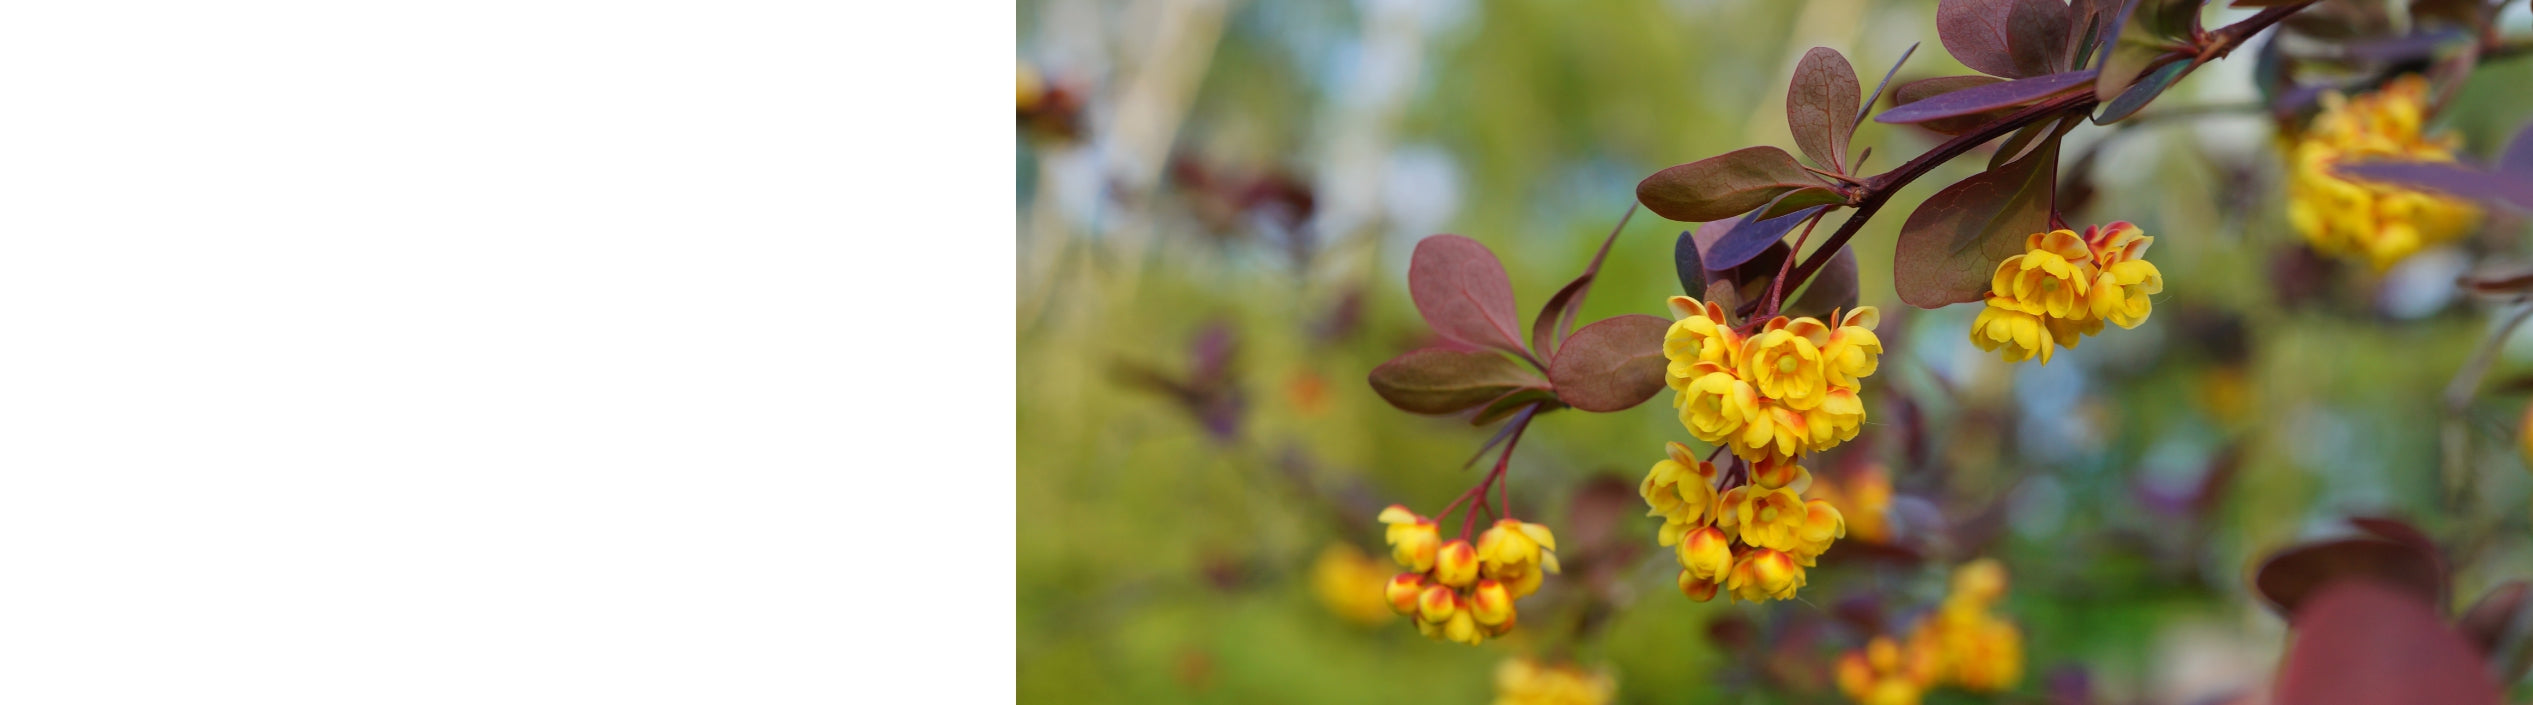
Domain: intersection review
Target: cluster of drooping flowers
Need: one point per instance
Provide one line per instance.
(1461, 592)
(1774, 395)
(1964, 644)
(2064, 287)
(2380, 223)
(1523, 681)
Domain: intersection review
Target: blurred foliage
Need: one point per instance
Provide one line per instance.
(1161, 561)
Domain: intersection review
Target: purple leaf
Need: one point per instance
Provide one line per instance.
(1745, 238)
(1925, 88)
(1443, 381)
(2036, 36)
(2361, 643)
(1613, 364)
(2143, 92)
(2518, 159)
(1949, 248)
(2449, 178)
(1821, 106)
(1724, 185)
(1988, 97)
(2290, 579)
(1975, 32)
(1464, 293)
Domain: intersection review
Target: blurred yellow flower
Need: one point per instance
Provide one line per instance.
(1522, 681)
(1413, 539)
(1962, 644)
(2379, 223)
(1352, 584)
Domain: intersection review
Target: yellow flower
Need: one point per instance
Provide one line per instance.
(1763, 574)
(1456, 564)
(1413, 539)
(1463, 628)
(2380, 223)
(1840, 417)
(1775, 472)
(2004, 325)
(1403, 590)
(1521, 681)
(1349, 583)
(1513, 545)
(1981, 581)
(2050, 278)
(1681, 490)
(1853, 351)
(1822, 524)
(1990, 657)
(1717, 404)
(1701, 334)
(1863, 498)
(1706, 554)
(1784, 362)
(2120, 292)
(1770, 518)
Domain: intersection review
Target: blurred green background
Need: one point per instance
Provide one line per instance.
(1213, 256)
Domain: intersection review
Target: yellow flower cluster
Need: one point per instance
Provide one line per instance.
(1788, 389)
(1752, 541)
(2378, 222)
(1962, 644)
(1522, 681)
(1782, 391)
(1349, 583)
(2063, 287)
(1460, 592)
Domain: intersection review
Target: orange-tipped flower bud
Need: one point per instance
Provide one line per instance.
(1706, 554)
(1855, 676)
(1456, 564)
(1490, 603)
(1698, 590)
(1402, 591)
(1437, 604)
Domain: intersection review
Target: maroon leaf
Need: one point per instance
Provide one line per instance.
(2449, 178)
(1975, 31)
(1443, 381)
(2036, 36)
(1978, 99)
(2491, 621)
(2361, 643)
(2131, 47)
(1464, 293)
(1744, 238)
(1886, 81)
(2144, 91)
(2396, 531)
(1613, 364)
(1821, 106)
(1832, 288)
(1724, 185)
(2291, 578)
(1925, 88)
(1949, 248)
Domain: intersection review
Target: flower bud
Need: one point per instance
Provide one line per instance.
(1699, 590)
(1437, 604)
(1456, 564)
(1706, 554)
(1402, 591)
(1490, 603)
(1505, 545)
(1981, 581)
(1464, 629)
